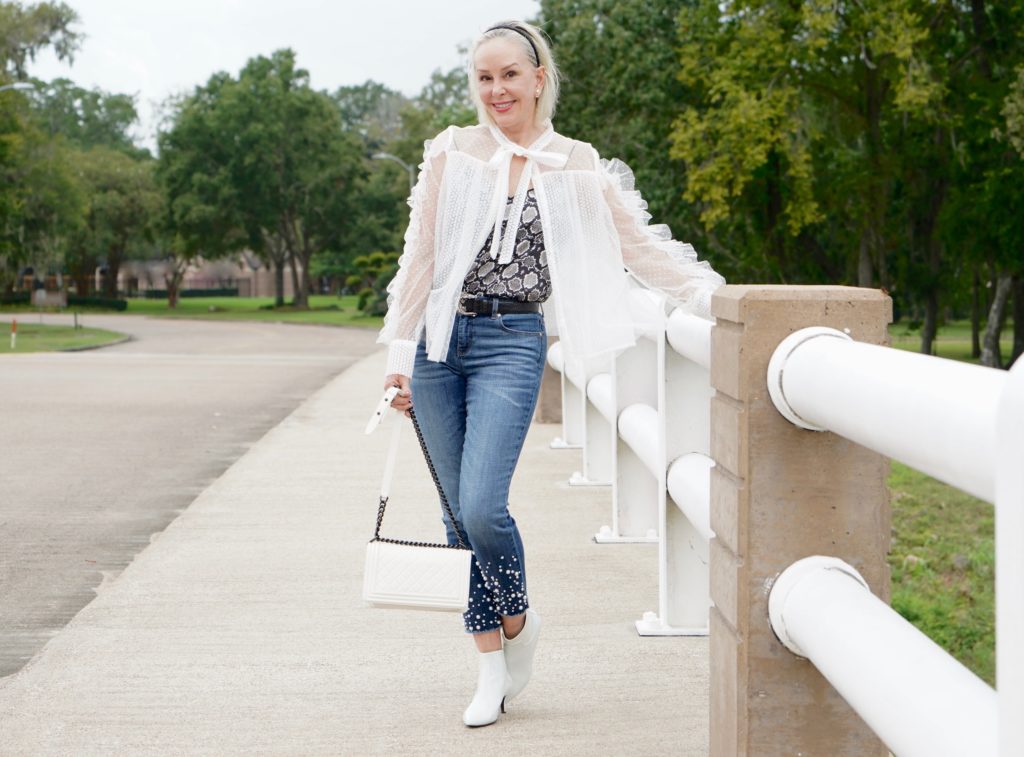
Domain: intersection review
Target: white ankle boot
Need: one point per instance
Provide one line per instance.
(489, 700)
(519, 654)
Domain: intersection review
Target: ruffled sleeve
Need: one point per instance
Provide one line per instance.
(649, 251)
(409, 289)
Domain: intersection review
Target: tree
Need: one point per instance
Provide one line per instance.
(87, 117)
(843, 135)
(300, 166)
(618, 60)
(372, 274)
(25, 30)
(817, 141)
(373, 114)
(203, 213)
(1012, 113)
(793, 97)
(170, 247)
(445, 99)
(371, 111)
(385, 121)
(986, 195)
(262, 158)
(42, 201)
(124, 206)
(31, 190)
(991, 354)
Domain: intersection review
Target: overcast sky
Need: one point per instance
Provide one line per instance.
(154, 48)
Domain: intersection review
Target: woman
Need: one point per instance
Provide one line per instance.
(465, 324)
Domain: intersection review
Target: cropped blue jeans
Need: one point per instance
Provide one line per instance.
(474, 409)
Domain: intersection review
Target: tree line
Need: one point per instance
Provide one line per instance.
(873, 143)
(257, 161)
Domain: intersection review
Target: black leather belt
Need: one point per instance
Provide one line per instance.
(495, 306)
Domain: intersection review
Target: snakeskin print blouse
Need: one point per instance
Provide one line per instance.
(525, 277)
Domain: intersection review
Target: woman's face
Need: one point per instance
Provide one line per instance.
(507, 83)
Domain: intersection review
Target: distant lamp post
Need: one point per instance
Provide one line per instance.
(21, 86)
(409, 169)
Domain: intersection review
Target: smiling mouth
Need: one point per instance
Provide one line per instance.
(503, 107)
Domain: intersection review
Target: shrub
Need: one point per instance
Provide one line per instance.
(374, 272)
(108, 303)
(161, 294)
(97, 302)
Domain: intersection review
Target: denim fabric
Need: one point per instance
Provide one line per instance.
(474, 409)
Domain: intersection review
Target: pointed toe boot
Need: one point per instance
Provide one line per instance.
(489, 699)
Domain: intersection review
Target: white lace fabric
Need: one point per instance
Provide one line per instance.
(595, 226)
(408, 290)
(650, 252)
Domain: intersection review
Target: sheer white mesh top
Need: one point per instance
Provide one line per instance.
(595, 229)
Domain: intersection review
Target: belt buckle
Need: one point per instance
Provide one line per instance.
(461, 309)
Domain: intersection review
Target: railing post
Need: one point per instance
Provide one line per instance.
(598, 431)
(549, 403)
(1010, 562)
(779, 494)
(571, 394)
(638, 488)
(684, 527)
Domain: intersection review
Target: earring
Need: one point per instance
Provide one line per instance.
(537, 94)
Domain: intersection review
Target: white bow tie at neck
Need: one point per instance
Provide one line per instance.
(502, 160)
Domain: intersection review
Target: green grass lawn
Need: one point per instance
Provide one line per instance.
(943, 566)
(953, 340)
(943, 544)
(34, 337)
(324, 310)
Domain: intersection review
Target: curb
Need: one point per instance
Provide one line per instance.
(83, 348)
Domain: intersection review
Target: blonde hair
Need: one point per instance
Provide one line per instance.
(548, 99)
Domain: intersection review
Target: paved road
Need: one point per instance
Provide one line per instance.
(241, 629)
(99, 450)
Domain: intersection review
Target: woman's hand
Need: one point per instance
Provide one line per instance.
(402, 402)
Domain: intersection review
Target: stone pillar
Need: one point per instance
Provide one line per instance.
(779, 493)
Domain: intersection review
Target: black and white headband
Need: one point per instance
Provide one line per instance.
(517, 30)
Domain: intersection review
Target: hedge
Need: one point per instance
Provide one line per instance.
(161, 294)
(97, 302)
(24, 298)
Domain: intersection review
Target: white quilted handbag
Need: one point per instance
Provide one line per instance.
(413, 575)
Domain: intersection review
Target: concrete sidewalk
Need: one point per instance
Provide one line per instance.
(240, 629)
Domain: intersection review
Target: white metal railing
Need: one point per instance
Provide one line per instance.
(890, 400)
(961, 424)
(637, 482)
(1009, 501)
(644, 422)
(689, 484)
(918, 699)
(572, 401)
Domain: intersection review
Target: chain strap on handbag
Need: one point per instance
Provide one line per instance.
(413, 575)
(389, 469)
